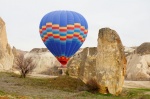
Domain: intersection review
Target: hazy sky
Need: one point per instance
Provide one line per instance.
(130, 19)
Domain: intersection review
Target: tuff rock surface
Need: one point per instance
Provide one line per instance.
(6, 55)
(110, 62)
(45, 61)
(82, 65)
(138, 63)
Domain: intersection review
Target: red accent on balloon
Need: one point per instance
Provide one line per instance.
(77, 26)
(40, 31)
(63, 30)
(70, 28)
(69, 37)
(63, 39)
(56, 36)
(55, 27)
(48, 26)
(82, 29)
(43, 28)
(63, 60)
(76, 35)
(46, 38)
(85, 32)
(49, 35)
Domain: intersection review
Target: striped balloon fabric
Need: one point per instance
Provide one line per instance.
(63, 33)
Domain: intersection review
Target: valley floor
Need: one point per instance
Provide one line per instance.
(137, 84)
(63, 87)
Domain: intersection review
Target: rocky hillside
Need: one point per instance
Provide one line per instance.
(138, 66)
(45, 61)
(6, 55)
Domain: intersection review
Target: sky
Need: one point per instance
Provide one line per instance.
(129, 18)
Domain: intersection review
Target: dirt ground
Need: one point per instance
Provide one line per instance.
(17, 86)
(136, 84)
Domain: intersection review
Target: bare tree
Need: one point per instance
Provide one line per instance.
(25, 65)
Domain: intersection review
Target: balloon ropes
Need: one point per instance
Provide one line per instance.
(63, 33)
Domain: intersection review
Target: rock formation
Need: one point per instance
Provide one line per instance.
(82, 65)
(110, 62)
(103, 67)
(44, 60)
(6, 55)
(3, 35)
(138, 64)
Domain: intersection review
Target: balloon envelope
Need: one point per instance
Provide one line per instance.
(63, 33)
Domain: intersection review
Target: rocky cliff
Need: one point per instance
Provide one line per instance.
(6, 55)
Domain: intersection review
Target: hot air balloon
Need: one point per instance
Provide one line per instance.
(63, 33)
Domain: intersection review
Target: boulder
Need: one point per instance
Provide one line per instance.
(6, 55)
(110, 62)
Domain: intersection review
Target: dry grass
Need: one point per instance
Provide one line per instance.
(92, 85)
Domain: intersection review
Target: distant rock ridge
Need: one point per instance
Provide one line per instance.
(39, 50)
(143, 49)
(17, 51)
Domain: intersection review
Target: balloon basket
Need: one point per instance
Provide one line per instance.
(63, 69)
